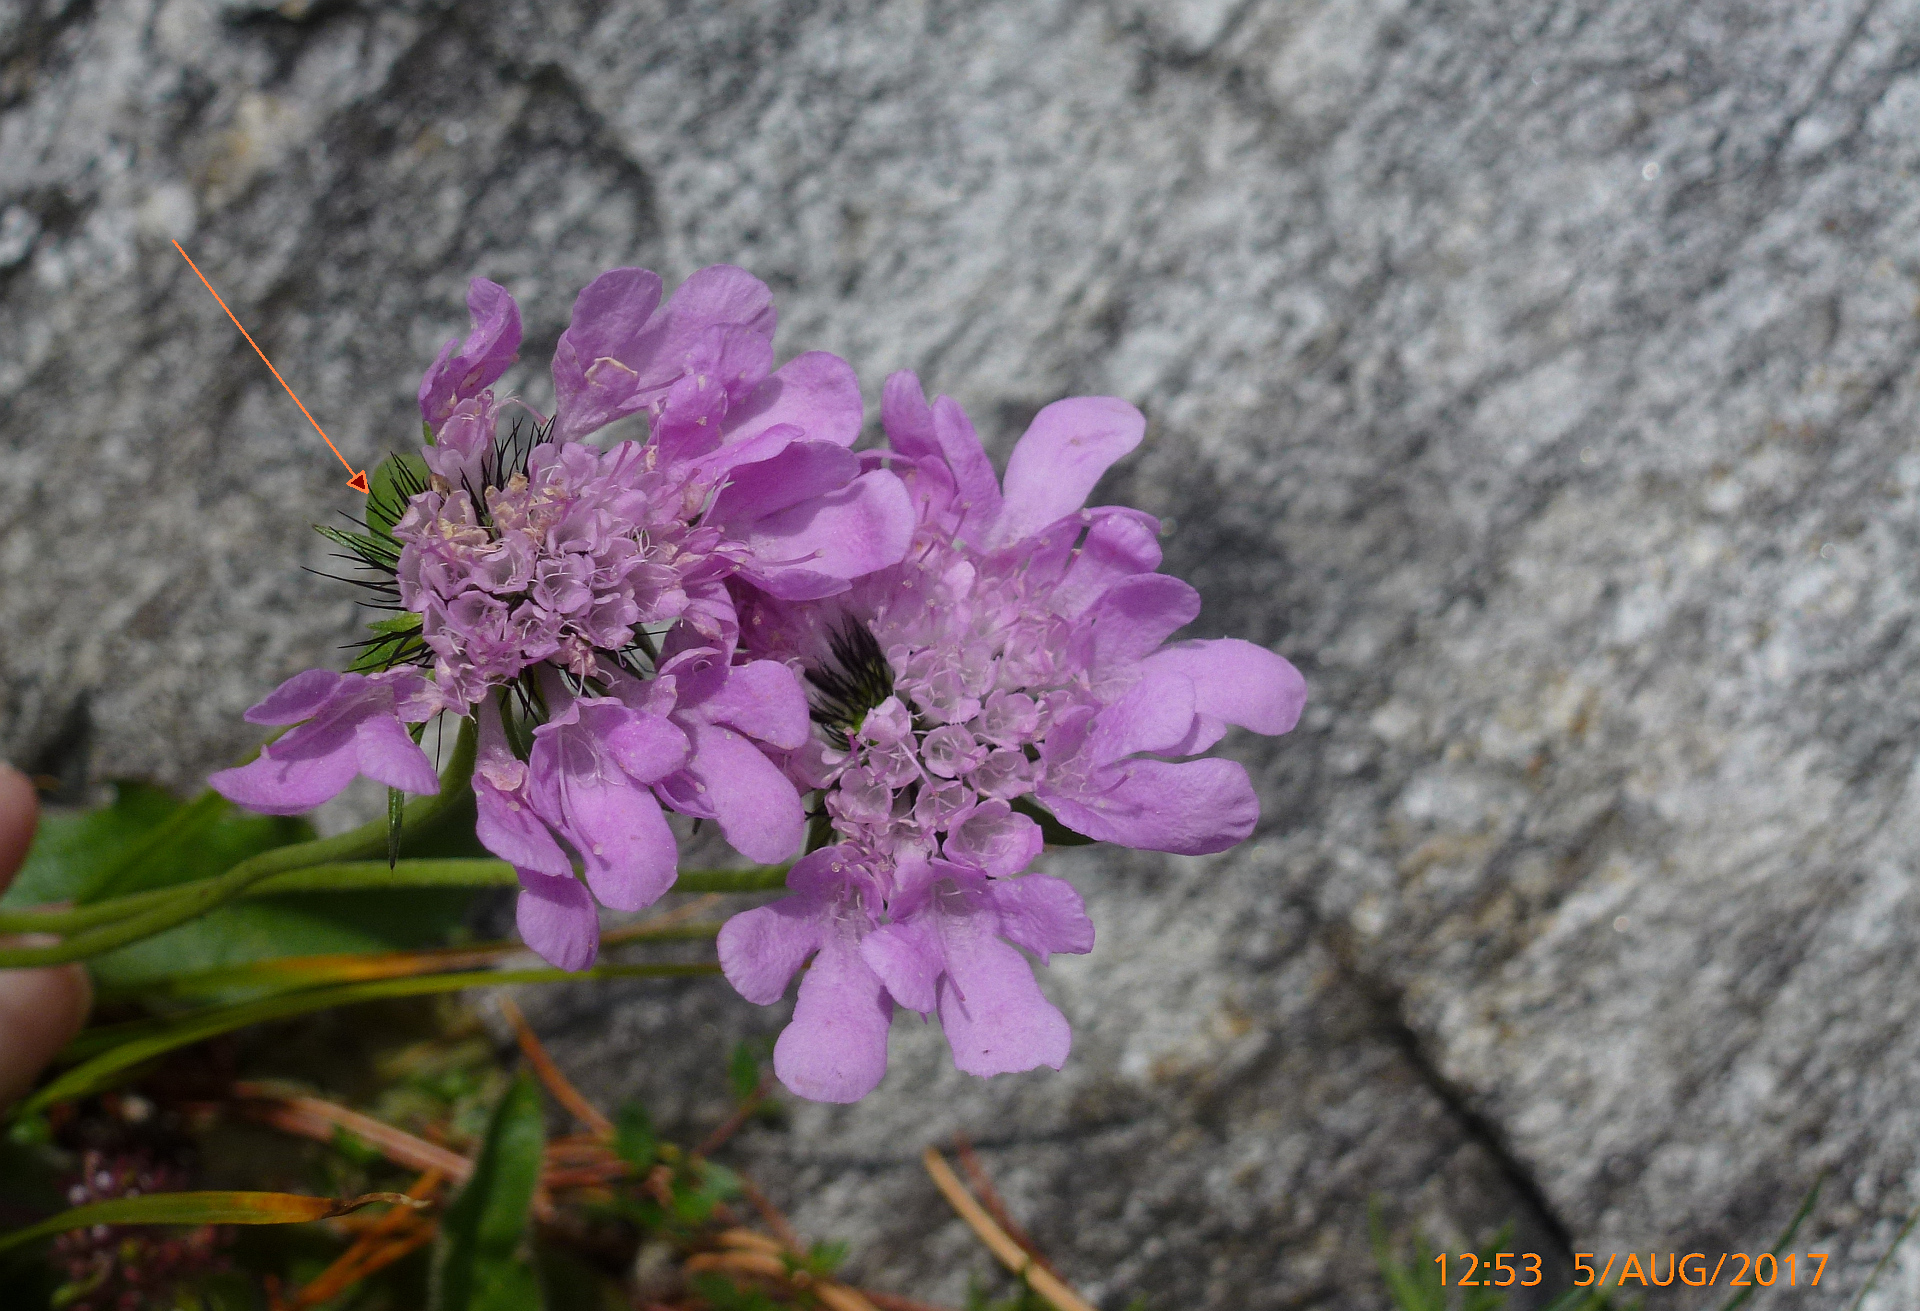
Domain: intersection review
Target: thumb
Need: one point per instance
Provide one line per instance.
(40, 1010)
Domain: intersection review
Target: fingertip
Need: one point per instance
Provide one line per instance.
(19, 816)
(40, 1012)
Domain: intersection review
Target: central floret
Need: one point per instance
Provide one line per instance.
(571, 559)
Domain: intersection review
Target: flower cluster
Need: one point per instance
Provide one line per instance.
(918, 674)
(1013, 669)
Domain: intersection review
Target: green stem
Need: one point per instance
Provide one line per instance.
(359, 876)
(191, 900)
(100, 1072)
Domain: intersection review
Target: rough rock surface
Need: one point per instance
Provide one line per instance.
(1539, 376)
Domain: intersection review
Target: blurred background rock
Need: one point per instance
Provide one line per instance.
(1539, 376)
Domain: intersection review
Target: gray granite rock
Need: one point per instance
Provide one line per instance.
(1539, 376)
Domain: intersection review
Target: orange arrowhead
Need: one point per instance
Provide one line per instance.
(359, 480)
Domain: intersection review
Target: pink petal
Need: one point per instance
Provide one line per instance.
(1191, 808)
(1119, 544)
(616, 826)
(288, 787)
(816, 392)
(811, 550)
(906, 957)
(717, 294)
(758, 809)
(1136, 615)
(761, 948)
(300, 697)
(387, 753)
(724, 364)
(1056, 463)
(1041, 913)
(907, 417)
(612, 312)
(464, 368)
(646, 747)
(835, 1048)
(598, 360)
(1237, 682)
(764, 700)
(1155, 714)
(993, 839)
(799, 473)
(755, 449)
(996, 1019)
(557, 920)
(978, 503)
(507, 827)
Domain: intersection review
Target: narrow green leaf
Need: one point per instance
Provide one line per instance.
(375, 551)
(387, 653)
(1807, 1204)
(478, 1261)
(396, 806)
(192, 900)
(333, 875)
(1880, 1266)
(141, 1041)
(145, 839)
(216, 1208)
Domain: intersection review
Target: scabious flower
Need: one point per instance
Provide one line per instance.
(738, 610)
(1013, 671)
(575, 600)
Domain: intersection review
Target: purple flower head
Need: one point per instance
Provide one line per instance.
(1014, 668)
(348, 724)
(576, 599)
(558, 552)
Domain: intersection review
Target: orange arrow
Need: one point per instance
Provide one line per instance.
(359, 480)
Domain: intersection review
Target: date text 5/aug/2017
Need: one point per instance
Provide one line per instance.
(1692, 1269)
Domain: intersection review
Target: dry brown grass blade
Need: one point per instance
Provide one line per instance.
(747, 1240)
(319, 1119)
(1009, 1253)
(550, 1076)
(585, 1176)
(990, 1198)
(765, 1265)
(761, 1257)
(395, 1235)
(894, 1302)
(840, 1297)
(322, 1120)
